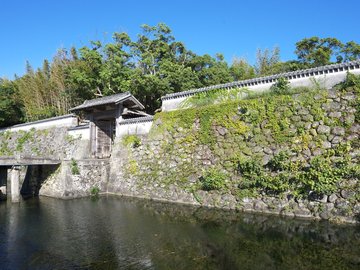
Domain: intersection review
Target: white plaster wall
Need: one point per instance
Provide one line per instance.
(83, 133)
(140, 128)
(65, 121)
(171, 104)
(325, 80)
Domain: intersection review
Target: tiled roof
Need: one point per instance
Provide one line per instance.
(137, 120)
(113, 99)
(270, 79)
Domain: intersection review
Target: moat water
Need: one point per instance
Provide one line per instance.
(123, 233)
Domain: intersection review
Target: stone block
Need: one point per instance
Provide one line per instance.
(302, 212)
(336, 140)
(260, 205)
(315, 124)
(355, 129)
(332, 198)
(303, 111)
(339, 131)
(346, 194)
(348, 96)
(307, 118)
(323, 129)
(326, 145)
(335, 114)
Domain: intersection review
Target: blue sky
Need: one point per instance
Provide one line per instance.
(34, 30)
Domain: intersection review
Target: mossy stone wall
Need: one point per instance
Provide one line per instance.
(52, 143)
(289, 154)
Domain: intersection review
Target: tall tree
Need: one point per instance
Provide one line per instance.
(10, 108)
(268, 62)
(241, 70)
(351, 51)
(317, 51)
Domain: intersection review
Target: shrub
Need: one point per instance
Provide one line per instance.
(279, 162)
(251, 171)
(94, 191)
(213, 179)
(281, 87)
(131, 141)
(74, 167)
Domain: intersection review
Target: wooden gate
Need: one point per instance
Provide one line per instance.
(103, 138)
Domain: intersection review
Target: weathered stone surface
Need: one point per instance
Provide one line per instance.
(332, 198)
(350, 119)
(333, 94)
(303, 111)
(340, 131)
(222, 131)
(335, 114)
(326, 145)
(336, 140)
(346, 194)
(325, 214)
(322, 129)
(355, 129)
(302, 212)
(348, 96)
(316, 152)
(340, 204)
(260, 206)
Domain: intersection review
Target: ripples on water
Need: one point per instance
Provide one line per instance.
(123, 233)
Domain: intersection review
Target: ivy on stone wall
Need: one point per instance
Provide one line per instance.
(46, 143)
(299, 144)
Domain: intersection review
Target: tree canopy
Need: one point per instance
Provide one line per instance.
(149, 66)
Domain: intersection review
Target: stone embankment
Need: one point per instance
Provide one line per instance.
(290, 155)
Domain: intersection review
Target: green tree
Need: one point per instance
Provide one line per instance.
(268, 62)
(317, 51)
(10, 109)
(43, 92)
(351, 51)
(241, 70)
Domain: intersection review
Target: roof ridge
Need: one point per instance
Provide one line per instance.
(102, 100)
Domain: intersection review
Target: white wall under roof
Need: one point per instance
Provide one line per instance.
(137, 128)
(69, 120)
(82, 133)
(326, 80)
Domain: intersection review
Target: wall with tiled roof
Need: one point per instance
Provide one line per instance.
(327, 75)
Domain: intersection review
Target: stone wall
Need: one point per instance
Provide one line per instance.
(74, 179)
(52, 143)
(284, 138)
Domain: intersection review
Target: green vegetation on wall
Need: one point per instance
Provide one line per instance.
(282, 176)
(213, 179)
(36, 142)
(131, 141)
(288, 142)
(74, 167)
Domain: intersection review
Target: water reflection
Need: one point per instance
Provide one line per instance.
(122, 233)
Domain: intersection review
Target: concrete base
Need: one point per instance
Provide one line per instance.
(15, 184)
